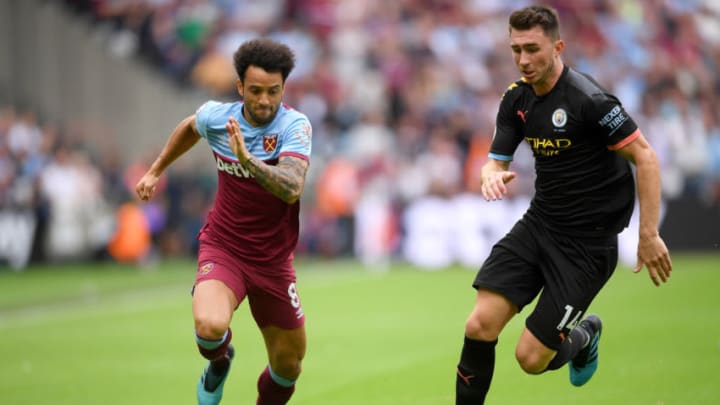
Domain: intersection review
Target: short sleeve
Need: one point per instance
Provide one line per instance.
(611, 120)
(297, 139)
(507, 135)
(204, 115)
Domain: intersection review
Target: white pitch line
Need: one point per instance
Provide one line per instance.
(94, 304)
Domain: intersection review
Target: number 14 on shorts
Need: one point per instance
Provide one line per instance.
(569, 310)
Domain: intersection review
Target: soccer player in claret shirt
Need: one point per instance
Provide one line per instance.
(261, 148)
(565, 246)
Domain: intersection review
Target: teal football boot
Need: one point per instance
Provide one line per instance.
(212, 380)
(583, 366)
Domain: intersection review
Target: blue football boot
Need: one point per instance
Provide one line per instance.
(212, 380)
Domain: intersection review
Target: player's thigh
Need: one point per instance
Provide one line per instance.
(492, 311)
(532, 354)
(508, 280)
(274, 297)
(511, 269)
(213, 305)
(219, 288)
(575, 271)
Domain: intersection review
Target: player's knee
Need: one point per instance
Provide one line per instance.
(531, 362)
(287, 364)
(479, 329)
(211, 326)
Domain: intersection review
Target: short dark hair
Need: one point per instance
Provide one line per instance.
(265, 53)
(529, 17)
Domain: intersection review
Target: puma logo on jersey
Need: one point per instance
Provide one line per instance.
(522, 114)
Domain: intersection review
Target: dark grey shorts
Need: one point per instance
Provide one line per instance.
(567, 272)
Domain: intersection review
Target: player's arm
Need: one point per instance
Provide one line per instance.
(652, 251)
(495, 173)
(182, 138)
(285, 180)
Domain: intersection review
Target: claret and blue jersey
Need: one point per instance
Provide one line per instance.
(248, 219)
(288, 134)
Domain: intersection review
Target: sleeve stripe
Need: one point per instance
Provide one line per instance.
(504, 158)
(295, 154)
(625, 141)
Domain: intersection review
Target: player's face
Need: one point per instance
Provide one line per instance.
(262, 93)
(535, 54)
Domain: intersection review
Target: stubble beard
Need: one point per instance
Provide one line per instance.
(543, 79)
(263, 121)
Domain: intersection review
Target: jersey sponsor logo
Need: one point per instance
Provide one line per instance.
(559, 118)
(206, 268)
(233, 168)
(270, 142)
(548, 147)
(614, 119)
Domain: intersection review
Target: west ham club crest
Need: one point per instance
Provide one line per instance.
(206, 268)
(270, 142)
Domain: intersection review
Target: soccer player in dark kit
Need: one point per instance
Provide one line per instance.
(261, 148)
(565, 246)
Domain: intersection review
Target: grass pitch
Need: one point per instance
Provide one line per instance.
(110, 334)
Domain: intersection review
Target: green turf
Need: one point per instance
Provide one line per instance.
(118, 335)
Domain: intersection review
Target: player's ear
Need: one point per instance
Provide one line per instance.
(559, 45)
(239, 85)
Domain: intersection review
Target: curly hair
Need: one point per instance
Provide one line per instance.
(529, 17)
(265, 53)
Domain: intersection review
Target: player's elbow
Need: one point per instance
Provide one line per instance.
(293, 195)
(645, 157)
(296, 192)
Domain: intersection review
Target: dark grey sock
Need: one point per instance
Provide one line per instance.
(578, 339)
(474, 372)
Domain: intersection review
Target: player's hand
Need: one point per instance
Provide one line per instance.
(493, 185)
(146, 186)
(236, 140)
(653, 254)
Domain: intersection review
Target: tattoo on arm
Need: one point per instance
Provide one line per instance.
(285, 180)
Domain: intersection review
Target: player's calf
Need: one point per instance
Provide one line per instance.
(474, 372)
(274, 389)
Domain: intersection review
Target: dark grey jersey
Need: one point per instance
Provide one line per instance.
(582, 186)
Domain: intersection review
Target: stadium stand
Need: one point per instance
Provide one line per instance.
(402, 96)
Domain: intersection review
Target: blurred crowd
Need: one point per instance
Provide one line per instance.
(402, 95)
(66, 195)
